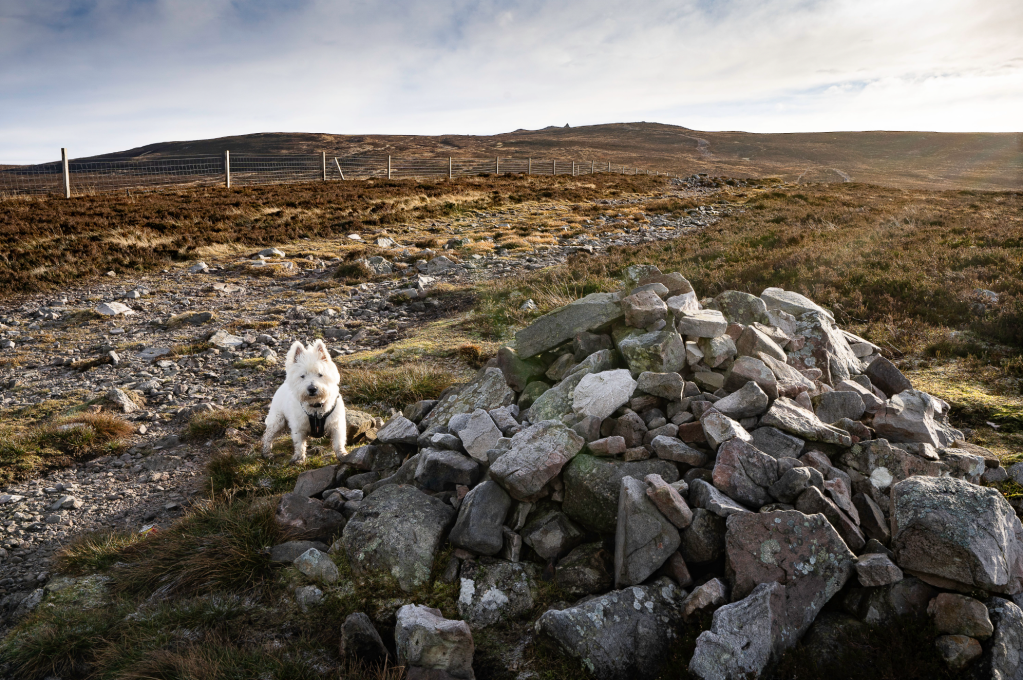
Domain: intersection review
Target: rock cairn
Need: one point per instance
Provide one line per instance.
(660, 456)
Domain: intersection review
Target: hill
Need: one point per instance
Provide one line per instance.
(909, 160)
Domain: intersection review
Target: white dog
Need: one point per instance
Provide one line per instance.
(309, 402)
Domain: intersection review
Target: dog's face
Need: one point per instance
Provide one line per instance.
(312, 374)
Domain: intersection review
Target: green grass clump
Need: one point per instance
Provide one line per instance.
(394, 387)
(207, 425)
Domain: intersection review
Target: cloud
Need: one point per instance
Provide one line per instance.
(104, 75)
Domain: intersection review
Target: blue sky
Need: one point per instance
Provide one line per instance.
(106, 75)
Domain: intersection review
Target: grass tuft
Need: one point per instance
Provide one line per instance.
(394, 387)
(207, 425)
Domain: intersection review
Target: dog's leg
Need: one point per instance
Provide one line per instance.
(273, 428)
(338, 440)
(299, 439)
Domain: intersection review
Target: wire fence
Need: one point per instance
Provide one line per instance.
(85, 177)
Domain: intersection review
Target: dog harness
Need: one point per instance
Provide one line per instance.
(318, 424)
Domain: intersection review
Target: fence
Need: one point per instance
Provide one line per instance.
(82, 177)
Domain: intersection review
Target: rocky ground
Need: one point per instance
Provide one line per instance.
(206, 336)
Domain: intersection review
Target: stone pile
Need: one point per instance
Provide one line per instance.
(661, 456)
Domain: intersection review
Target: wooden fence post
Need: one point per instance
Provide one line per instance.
(591, 167)
(339, 167)
(323, 161)
(67, 173)
(573, 168)
(529, 167)
(609, 166)
(449, 167)
(554, 168)
(497, 165)
(388, 167)
(227, 169)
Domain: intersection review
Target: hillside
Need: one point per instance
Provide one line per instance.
(918, 160)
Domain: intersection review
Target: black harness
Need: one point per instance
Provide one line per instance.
(318, 424)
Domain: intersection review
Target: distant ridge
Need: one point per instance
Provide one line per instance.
(933, 160)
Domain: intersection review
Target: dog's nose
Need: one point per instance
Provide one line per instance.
(311, 389)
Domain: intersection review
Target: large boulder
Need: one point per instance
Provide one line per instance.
(426, 641)
(957, 535)
(586, 314)
(744, 473)
(744, 637)
(481, 518)
(593, 485)
(519, 372)
(644, 538)
(621, 635)
(600, 394)
(397, 531)
(536, 456)
(495, 591)
(825, 348)
(487, 391)
(801, 552)
(557, 401)
(915, 416)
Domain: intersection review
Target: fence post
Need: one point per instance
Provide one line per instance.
(388, 167)
(573, 168)
(554, 168)
(529, 167)
(591, 167)
(449, 167)
(67, 174)
(323, 161)
(497, 165)
(609, 166)
(227, 168)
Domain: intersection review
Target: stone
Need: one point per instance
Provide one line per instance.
(1003, 659)
(709, 381)
(791, 485)
(957, 651)
(742, 308)
(703, 495)
(536, 456)
(587, 570)
(657, 352)
(494, 591)
(719, 428)
(828, 637)
(668, 500)
(872, 519)
(962, 465)
(360, 639)
(479, 434)
(745, 402)
(480, 518)
(396, 532)
(307, 596)
(308, 518)
(439, 470)
(586, 314)
(704, 323)
(753, 342)
(665, 385)
(744, 474)
(551, 534)
(803, 553)
(670, 448)
(487, 391)
(398, 430)
(746, 369)
(608, 446)
(791, 382)
(706, 598)
(557, 402)
(225, 340)
(631, 428)
(788, 416)
(121, 400)
(114, 309)
(884, 465)
(831, 407)
(876, 569)
(683, 304)
(424, 639)
(792, 303)
(621, 635)
(744, 637)
(884, 375)
(560, 368)
(813, 501)
(871, 402)
(288, 552)
(884, 605)
(317, 566)
(716, 351)
(584, 344)
(601, 394)
(703, 541)
(593, 486)
(774, 442)
(314, 482)
(643, 308)
(824, 348)
(914, 416)
(438, 264)
(935, 535)
(518, 372)
(419, 410)
(644, 538)
(533, 391)
(960, 615)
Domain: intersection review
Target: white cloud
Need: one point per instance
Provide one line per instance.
(111, 74)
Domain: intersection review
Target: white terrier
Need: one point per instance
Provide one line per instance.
(309, 401)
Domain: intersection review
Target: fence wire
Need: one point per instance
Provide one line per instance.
(152, 174)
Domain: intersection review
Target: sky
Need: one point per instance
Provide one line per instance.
(99, 76)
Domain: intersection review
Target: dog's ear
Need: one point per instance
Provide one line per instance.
(320, 350)
(297, 348)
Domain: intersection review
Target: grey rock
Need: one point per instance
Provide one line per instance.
(753, 342)
(424, 639)
(742, 308)
(914, 416)
(439, 470)
(665, 385)
(586, 570)
(703, 540)
(670, 448)
(480, 518)
(495, 591)
(657, 352)
(314, 482)
(601, 394)
(487, 391)
(288, 552)
(706, 598)
(788, 416)
(644, 538)
(883, 605)
(745, 369)
(593, 485)
(307, 596)
(643, 308)
(621, 635)
(745, 402)
(876, 569)
(831, 407)
(791, 485)
(704, 323)
(955, 614)
(1003, 659)
(360, 639)
(936, 518)
(586, 314)
(398, 430)
(669, 501)
(884, 375)
(551, 534)
(479, 434)
(317, 566)
(743, 473)
(308, 518)
(719, 428)
(792, 303)
(396, 531)
(703, 495)
(774, 442)
(536, 456)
